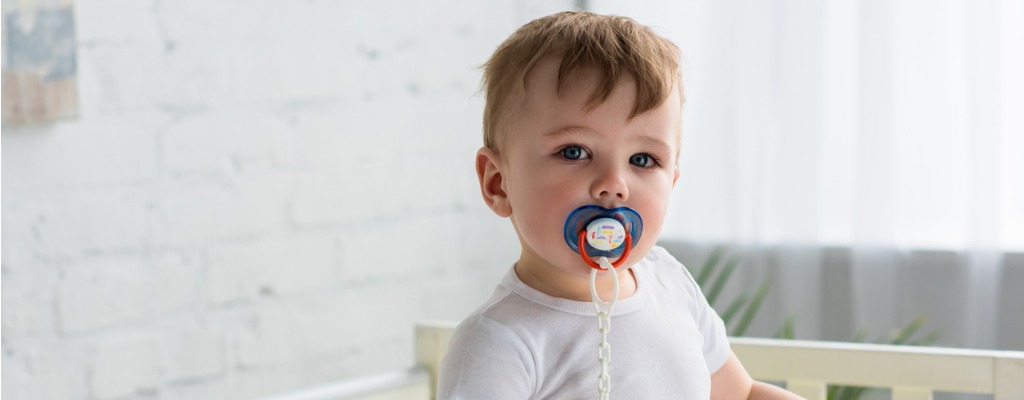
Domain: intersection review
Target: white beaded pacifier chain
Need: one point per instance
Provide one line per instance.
(604, 234)
(604, 324)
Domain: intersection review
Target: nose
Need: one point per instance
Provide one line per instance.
(610, 187)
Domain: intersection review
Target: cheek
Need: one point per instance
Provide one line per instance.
(654, 210)
(535, 205)
(542, 215)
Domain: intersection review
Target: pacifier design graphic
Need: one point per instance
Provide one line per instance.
(594, 231)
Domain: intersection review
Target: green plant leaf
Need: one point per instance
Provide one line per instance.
(855, 392)
(928, 340)
(733, 308)
(755, 304)
(837, 392)
(860, 336)
(722, 279)
(903, 335)
(788, 329)
(709, 265)
(831, 393)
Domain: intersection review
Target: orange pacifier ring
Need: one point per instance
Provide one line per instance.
(618, 262)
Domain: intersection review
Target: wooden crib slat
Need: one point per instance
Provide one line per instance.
(811, 390)
(1009, 378)
(432, 339)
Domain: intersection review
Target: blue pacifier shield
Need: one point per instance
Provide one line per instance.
(605, 228)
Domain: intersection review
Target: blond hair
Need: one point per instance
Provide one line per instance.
(615, 46)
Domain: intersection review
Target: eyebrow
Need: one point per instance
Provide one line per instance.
(656, 142)
(572, 130)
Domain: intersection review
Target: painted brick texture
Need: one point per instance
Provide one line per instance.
(257, 196)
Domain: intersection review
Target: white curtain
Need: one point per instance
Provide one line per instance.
(890, 130)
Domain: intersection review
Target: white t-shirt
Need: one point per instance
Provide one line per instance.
(522, 344)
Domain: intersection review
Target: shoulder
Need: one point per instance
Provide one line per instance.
(674, 282)
(667, 269)
(658, 255)
(483, 331)
(482, 350)
(489, 324)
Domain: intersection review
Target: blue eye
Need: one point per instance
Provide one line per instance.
(642, 160)
(573, 153)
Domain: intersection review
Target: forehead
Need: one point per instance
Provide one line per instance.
(540, 104)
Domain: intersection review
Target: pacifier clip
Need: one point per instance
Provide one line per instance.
(605, 234)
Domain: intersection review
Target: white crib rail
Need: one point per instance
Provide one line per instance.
(807, 367)
(912, 372)
(409, 383)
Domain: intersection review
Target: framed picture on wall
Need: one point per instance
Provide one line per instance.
(39, 66)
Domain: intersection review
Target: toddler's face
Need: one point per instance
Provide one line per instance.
(559, 156)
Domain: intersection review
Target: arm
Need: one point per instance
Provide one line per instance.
(732, 382)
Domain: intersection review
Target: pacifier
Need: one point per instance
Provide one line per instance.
(594, 231)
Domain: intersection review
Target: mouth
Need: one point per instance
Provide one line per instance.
(594, 232)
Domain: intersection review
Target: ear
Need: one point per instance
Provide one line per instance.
(675, 176)
(489, 170)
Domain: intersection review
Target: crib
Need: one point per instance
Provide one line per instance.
(804, 367)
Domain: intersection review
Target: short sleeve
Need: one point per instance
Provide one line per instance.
(712, 328)
(485, 360)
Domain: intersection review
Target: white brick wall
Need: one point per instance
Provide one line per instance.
(103, 292)
(125, 365)
(256, 196)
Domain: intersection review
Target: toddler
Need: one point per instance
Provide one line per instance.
(582, 129)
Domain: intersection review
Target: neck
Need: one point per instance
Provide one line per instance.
(554, 282)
